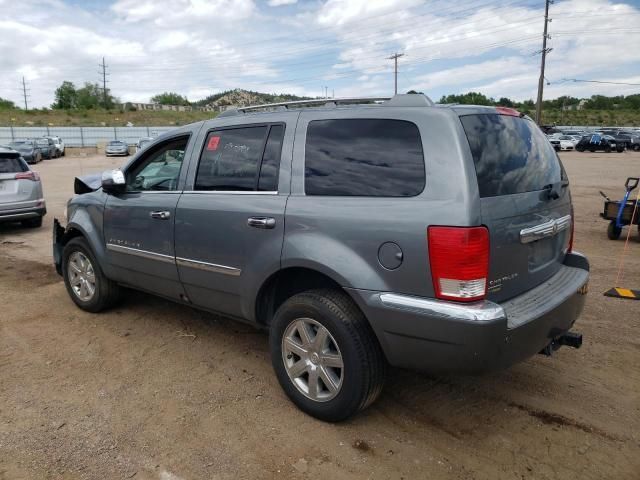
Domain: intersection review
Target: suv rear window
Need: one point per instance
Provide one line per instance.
(364, 157)
(511, 154)
(12, 165)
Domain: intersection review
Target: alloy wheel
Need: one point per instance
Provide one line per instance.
(312, 359)
(82, 277)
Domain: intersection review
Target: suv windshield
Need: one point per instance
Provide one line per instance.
(511, 154)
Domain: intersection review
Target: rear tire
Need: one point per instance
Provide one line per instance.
(580, 148)
(636, 147)
(86, 284)
(339, 345)
(613, 232)
(32, 222)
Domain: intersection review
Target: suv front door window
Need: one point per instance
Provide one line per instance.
(159, 169)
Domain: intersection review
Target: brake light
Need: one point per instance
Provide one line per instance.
(508, 111)
(30, 175)
(459, 258)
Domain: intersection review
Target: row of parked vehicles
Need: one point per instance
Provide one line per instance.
(604, 140)
(34, 150)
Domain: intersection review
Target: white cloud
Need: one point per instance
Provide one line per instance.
(197, 47)
(279, 3)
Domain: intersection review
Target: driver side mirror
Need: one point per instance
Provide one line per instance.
(113, 181)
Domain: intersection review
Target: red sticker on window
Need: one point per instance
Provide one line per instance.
(213, 143)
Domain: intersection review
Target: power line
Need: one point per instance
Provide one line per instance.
(395, 58)
(542, 62)
(600, 81)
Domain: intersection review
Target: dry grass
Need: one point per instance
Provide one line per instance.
(97, 118)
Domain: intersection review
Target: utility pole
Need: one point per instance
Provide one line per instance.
(103, 71)
(326, 92)
(24, 92)
(544, 57)
(395, 58)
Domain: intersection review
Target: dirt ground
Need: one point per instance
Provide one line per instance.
(155, 390)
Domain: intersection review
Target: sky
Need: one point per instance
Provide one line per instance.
(200, 47)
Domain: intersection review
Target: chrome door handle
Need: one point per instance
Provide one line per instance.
(164, 215)
(262, 222)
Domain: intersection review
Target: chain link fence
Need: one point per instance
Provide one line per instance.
(82, 136)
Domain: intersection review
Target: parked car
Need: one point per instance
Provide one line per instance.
(598, 142)
(628, 141)
(59, 144)
(567, 142)
(143, 142)
(29, 150)
(116, 147)
(555, 143)
(47, 147)
(21, 198)
(340, 244)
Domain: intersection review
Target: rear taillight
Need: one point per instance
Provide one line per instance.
(459, 258)
(27, 176)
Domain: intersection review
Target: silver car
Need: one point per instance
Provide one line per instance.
(21, 198)
(116, 147)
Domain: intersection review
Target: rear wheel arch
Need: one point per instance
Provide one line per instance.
(286, 283)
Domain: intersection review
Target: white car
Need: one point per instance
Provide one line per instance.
(567, 142)
(57, 141)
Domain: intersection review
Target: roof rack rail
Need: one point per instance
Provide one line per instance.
(407, 100)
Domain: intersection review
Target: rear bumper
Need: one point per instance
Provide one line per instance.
(17, 212)
(445, 337)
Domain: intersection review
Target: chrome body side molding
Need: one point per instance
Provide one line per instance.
(209, 267)
(140, 253)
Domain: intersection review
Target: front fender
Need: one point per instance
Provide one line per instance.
(86, 220)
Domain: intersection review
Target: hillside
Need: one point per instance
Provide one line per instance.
(244, 98)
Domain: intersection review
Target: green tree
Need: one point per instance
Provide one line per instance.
(6, 104)
(66, 96)
(506, 102)
(170, 98)
(470, 98)
(91, 96)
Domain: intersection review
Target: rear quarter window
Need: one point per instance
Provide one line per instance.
(511, 154)
(364, 157)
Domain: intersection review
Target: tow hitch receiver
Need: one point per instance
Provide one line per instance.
(570, 339)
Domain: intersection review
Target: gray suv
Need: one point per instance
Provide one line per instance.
(359, 233)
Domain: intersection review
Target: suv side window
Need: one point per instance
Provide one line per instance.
(158, 169)
(241, 159)
(364, 157)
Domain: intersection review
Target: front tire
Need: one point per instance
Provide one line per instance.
(86, 284)
(325, 355)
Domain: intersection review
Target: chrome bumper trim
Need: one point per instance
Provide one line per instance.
(483, 311)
